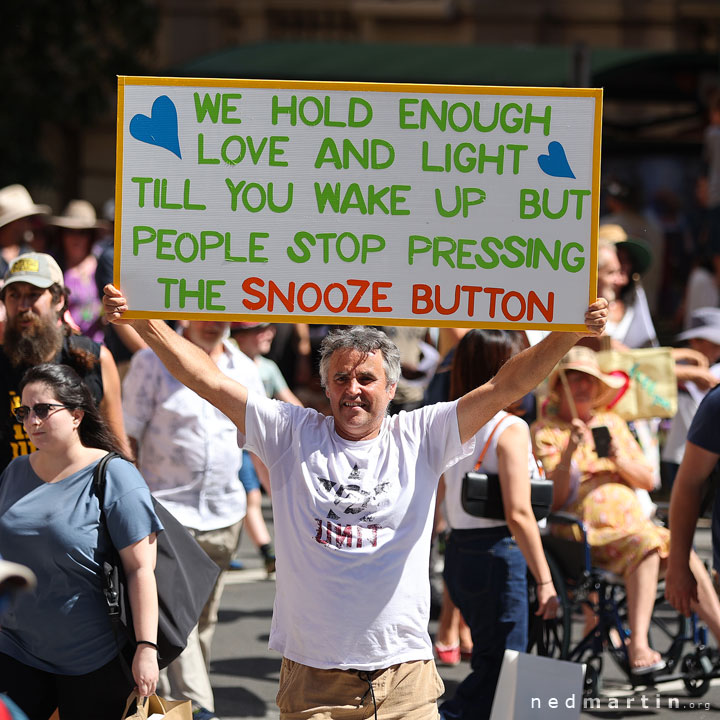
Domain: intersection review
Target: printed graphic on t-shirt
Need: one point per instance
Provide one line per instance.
(20, 443)
(351, 503)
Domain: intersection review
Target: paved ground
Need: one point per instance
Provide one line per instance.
(245, 673)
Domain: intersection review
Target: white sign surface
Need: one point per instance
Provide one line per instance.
(351, 203)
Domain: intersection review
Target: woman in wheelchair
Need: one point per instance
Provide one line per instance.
(485, 560)
(598, 484)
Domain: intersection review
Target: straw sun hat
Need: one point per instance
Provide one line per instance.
(582, 359)
(78, 215)
(16, 204)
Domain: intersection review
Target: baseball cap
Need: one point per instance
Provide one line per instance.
(38, 269)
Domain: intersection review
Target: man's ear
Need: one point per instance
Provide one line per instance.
(60, 305)
(391, 390)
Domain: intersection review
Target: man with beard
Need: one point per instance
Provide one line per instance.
(35, 299)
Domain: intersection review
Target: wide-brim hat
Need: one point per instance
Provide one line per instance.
(38, 269)
(15, 577)
(79, 215)
(704, 324)
(639, 250)
(16, 204)
(584, 359)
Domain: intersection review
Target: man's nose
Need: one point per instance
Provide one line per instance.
(353, 386)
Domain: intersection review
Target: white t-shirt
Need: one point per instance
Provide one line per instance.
(352, 531)
(457, 518)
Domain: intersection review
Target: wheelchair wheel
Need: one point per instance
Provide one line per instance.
(550, 638)
(696, 667)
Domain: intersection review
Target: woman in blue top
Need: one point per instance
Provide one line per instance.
(57, 647)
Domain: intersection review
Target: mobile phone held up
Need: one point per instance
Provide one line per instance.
(601, 436)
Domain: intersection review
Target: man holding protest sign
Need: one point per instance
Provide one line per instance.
(353, 496)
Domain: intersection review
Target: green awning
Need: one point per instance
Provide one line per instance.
(519, 65)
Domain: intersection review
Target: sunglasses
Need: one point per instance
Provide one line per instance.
(41, 410)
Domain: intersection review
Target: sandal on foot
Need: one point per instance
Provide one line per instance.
(652, 667)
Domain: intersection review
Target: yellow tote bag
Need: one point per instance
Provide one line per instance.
(651, 386)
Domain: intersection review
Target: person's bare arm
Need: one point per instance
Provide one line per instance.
(522, 373)
(635, 471)
(288, 396)
(562, 473)
(138, 561)
(687, 492)
(111, 403)
(512, 455)
(188, 363)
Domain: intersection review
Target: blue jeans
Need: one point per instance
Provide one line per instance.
(486, 576)
(248, 476)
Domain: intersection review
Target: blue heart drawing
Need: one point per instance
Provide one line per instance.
(161, 128)
(555, 163)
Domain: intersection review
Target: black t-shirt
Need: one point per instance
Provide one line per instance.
(14, 441)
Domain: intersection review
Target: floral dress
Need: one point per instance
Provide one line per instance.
(619, 533)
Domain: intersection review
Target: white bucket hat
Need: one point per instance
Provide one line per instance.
(16, 204)
(704, 324)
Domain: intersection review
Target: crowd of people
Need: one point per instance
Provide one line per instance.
(350, 430)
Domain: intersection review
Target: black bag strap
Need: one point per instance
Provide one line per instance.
(109, 571)
(99, 476)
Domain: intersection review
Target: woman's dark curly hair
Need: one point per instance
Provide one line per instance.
(71, 391)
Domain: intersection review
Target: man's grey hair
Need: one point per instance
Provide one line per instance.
(365, 340)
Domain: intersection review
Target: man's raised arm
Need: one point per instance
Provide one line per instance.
(187, 362)
(524, 372)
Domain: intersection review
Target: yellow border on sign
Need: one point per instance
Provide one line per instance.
(596, 93)
(118, 178)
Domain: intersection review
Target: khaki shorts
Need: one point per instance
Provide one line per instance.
(408, 691)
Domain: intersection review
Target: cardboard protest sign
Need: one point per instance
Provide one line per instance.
(348, 203)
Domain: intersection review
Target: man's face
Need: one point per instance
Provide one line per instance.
(33, 333)
(208, 335)
(26, 305)
(611, 278)
(358, 393)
